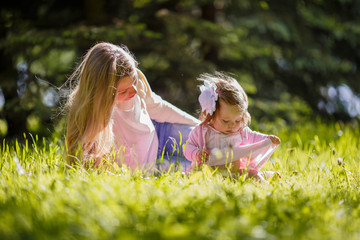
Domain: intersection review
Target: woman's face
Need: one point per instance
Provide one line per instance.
(126, 89)
(227, 119)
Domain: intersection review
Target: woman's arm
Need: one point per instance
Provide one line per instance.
(159, 109)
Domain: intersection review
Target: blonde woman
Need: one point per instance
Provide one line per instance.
(111, 107)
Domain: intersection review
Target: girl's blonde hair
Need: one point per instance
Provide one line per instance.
(230, 91)
(92, 99)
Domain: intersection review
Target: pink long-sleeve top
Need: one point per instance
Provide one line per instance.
(252, 148)
(134, 133)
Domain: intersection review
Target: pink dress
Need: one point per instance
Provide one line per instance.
(253, 149)
(135, 137)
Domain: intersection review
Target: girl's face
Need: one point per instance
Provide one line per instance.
(126, 89)
(227, 119)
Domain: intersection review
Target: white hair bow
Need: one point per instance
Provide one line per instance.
(208, 97)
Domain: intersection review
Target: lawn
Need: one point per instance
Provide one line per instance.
(317, 197)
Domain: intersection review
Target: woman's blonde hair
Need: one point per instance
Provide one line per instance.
(230, 91)
(92, 99)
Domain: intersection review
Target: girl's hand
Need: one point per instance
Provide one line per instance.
(233, 166)
(202, 156)
(274, 139)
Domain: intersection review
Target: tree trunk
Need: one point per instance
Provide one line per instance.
(95, 11)
(12, 112)
(208, 13)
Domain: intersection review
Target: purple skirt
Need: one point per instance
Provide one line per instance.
(172, 137)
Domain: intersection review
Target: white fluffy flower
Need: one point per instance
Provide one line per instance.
(208, 97)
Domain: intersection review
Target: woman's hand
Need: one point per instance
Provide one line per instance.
(274, 139)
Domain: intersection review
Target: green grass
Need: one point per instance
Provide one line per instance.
(317, 198)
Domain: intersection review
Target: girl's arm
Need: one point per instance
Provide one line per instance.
(253, 136)
(253, 150)
(159, 109)
(194, 152)
(192, 145)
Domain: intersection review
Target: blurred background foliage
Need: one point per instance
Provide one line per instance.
(296, 59)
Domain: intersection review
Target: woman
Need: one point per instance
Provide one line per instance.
(112, 107)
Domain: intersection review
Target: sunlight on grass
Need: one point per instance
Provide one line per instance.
(3, 127)
(316, 198)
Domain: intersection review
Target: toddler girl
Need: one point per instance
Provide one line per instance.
(223, 139)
